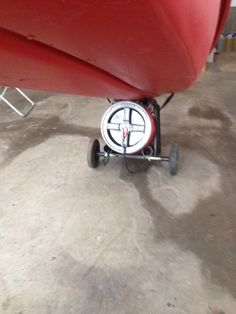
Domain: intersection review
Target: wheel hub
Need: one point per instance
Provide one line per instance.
(127, 126)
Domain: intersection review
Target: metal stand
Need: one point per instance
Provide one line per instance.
(150, 153)
(157, 140)
(23, 115)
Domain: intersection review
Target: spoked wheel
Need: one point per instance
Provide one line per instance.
(174, 159)
(92, 153)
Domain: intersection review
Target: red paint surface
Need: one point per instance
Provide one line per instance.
(110, 48)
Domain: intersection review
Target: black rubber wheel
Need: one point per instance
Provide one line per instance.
(174, 159)
(92, 153)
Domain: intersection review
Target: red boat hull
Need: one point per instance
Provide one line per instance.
(110, 48)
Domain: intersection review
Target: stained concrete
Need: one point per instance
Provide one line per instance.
(76, 240)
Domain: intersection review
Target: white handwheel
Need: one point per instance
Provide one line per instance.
(128, 124)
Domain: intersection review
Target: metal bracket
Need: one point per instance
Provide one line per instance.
(23, 115)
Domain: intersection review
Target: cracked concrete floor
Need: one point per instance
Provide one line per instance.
(76, 240)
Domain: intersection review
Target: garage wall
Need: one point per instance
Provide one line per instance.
(231, 23)
(233, 3)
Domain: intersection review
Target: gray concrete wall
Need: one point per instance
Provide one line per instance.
(231, 22)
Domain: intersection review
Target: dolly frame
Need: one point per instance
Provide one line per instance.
(94, 153)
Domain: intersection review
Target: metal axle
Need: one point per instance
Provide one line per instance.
(143, 157)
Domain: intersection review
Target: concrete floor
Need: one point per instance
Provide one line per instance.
(76, 240)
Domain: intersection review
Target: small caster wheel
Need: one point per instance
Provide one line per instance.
(92, 153)
(174, 159)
